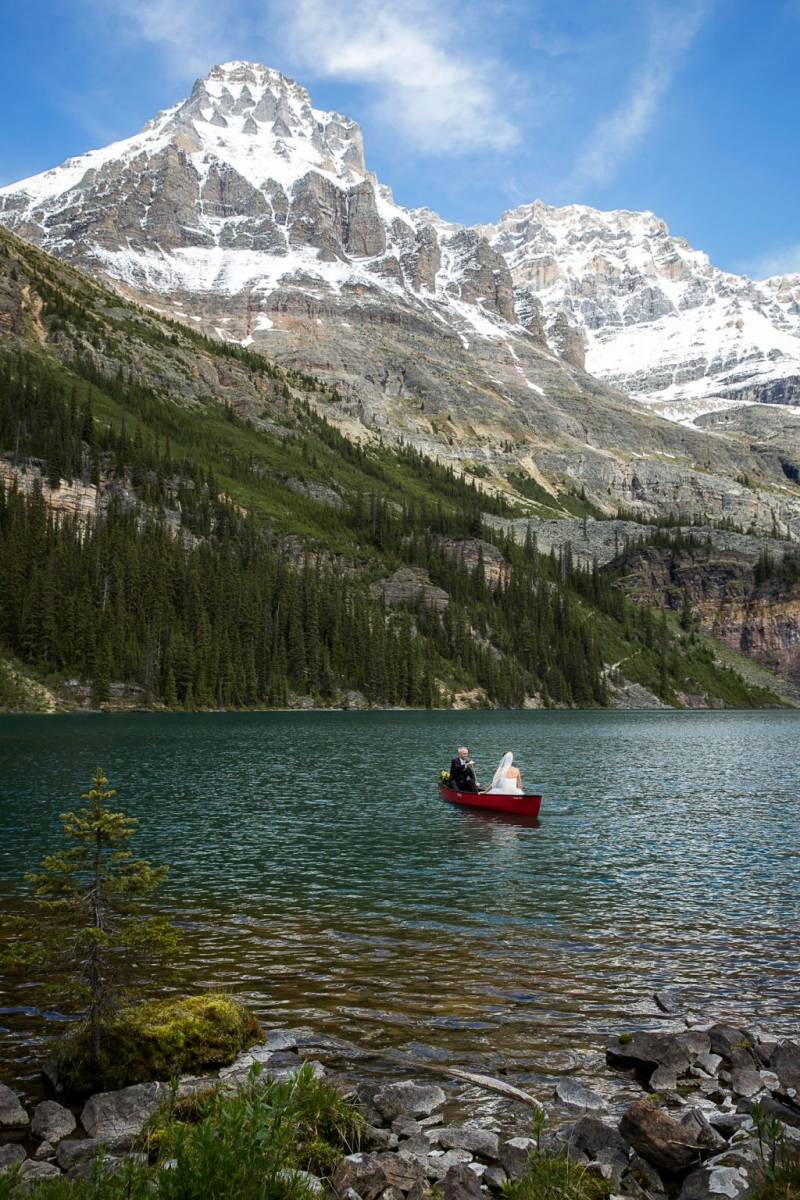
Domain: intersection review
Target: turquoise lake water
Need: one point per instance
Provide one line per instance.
(317, 873)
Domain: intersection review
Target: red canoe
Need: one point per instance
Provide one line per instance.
(526, 806)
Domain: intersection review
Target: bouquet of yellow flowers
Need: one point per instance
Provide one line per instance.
(444, 777)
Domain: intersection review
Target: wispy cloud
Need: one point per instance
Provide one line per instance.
(192, 35)
(785, 261)
(617, 135)
(434, 92)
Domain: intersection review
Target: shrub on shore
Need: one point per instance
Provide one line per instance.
(157, 1040)
(256, 1143)
(557, 1177)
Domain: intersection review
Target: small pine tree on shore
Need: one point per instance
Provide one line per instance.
(91, 930)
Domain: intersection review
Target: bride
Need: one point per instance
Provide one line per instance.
(507, 779)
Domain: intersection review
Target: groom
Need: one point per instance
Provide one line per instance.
(462, 771)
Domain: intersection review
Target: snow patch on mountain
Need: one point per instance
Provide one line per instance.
(657, 318)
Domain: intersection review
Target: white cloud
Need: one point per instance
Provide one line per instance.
(191, 34)
(617, 135)
(784, 261)
(436, 95)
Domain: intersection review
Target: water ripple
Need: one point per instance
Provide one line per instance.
(316, 872)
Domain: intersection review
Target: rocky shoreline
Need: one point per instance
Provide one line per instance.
(698, 1100)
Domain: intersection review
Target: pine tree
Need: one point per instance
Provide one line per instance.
(90, 925)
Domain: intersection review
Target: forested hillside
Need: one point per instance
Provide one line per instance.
(180, 524)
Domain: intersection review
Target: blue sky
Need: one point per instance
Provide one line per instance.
(686, 107)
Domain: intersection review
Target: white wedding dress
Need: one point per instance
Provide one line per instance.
(504, 784)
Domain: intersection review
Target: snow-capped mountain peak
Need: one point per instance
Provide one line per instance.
(245, 189)
(655, 316)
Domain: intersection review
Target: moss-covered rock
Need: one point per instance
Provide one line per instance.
(158, 1040)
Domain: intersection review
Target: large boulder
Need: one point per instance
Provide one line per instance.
(123, 1114)
(408, 1099)
(785, 1062)
(11, 1156)
(12, 1114)
(52, 1122)
(660, 1139)
(674, 1053)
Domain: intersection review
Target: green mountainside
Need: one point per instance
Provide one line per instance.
(180, 525)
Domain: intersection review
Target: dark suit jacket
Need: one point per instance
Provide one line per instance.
(463, 778)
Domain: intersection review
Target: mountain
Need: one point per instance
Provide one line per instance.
(220, 544)
(251, 216)
(645, 312)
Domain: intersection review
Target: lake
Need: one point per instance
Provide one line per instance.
(317, 873)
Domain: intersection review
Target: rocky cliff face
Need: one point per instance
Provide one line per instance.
(758, 618)
(648, 313)
(251, 215)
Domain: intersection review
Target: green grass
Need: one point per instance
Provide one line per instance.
(556, 1177)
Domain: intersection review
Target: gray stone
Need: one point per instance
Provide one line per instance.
(35, 1172)
(708, 1182)
(437, 1164)
(663, 1079)
(469, 1137)
(514, 1155)
(379, 1138)
(675, 1052)
(782, 1108)
(644, 1174)
(74, 1151)
(279, 1039)
(701, 1129)
(408, 1099)
(729, 1040)
(495, 1178)
(730, 1123)
(574, 1095)
(122, 1114)
(44, 1152)
(11, 1156)
(403, 1171)
(746, 1081)
(709, 1062)
(460, 1183)
(406, 1127)
(51, 1121)
(12, 1114)
(785, 1062)
(311, 1182)
(361, 1173)
(598, 1142)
